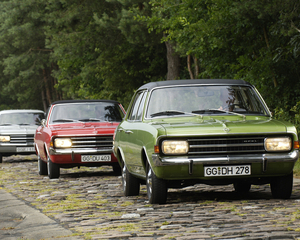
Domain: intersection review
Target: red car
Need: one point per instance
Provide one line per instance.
(77, 133)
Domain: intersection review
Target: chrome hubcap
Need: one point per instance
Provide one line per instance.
(149, 183)
(124, 177)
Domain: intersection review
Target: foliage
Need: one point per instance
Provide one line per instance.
(108, 48)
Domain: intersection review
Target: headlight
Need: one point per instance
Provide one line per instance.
(175, 147)
(4, 138)
(62, 142)
(278, 144)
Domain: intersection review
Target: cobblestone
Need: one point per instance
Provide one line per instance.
(90, 202)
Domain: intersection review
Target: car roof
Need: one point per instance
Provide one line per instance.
(21, 111)
(152, 85)
(82, 101)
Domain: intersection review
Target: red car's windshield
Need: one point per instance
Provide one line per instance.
(86, 112)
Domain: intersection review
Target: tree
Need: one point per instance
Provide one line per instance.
(25, 59)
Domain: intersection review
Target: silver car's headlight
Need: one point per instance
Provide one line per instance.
(278, 144)
(4, 138)
(175, 147)
(62, 142)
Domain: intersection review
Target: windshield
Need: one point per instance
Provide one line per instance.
(21, 118)
(205, 100)
(86, 112)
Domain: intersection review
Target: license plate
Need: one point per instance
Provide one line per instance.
(95, 158)
(25, 149)
(227, 171)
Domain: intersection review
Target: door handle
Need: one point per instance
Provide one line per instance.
(128, 132)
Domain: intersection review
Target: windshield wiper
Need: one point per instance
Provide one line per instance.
(168, 113)
(24, 124)
(65, 120)
(6, 124)
(90, 120)
(218, 110)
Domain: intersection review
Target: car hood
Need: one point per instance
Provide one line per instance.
(18, 129)
(84, 128)
(216, 126)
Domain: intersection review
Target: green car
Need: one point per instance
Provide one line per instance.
(218, 132)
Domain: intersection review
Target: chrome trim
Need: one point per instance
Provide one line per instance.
(220, 134)
(228, 159)
(53, 151)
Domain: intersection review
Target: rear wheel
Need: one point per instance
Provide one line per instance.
(131, 184)
(42, 166)
(53, 169)
(281, 187)
(0, 158)
(242, 187)
(157, 189)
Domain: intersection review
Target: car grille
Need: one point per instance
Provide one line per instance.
(224, 145)
(100, 142)
(22, 139)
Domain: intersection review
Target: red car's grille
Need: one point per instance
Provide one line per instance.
(101, 142)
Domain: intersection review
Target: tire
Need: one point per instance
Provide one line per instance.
(281, 187)
(117, 170)
(53, 169)
(43, 169)
(242, 187)
(131, 184)
(157, 189)
(1, 158)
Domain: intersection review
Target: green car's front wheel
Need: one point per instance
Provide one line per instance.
(281, 187)
(131, 184)
(157, 189)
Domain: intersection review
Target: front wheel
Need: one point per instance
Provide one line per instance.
(0, 158)
(281, 187)
(157, 189)
(43, 170)
(242, 187)
(131, 184)
(53, 169)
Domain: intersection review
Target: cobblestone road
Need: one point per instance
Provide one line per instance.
(89, 201)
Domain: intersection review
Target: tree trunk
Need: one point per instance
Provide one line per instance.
(173, 60)
(189, 66)
(45, 105)
(47, 88)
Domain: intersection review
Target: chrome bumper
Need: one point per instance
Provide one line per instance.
(69, 151)
(229, 159)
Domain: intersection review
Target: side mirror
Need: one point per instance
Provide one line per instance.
(43, 122)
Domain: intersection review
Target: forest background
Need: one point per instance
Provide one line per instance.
(105, 49)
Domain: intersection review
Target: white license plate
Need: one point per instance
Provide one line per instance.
(25, 149)
(95, 158)
(227, 171)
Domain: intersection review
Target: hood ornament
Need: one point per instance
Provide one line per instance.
(226, 129)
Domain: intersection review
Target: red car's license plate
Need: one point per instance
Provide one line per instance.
(95, 158)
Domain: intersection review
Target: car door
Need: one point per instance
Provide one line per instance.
(130, 134)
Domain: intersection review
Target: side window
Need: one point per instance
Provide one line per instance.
(135, 106)
(141, 107)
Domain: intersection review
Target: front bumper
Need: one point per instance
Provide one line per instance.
(262, 165)
(69, 151)
(228, 159)
(8, 149)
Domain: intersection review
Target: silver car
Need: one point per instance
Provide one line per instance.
(17, 129)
